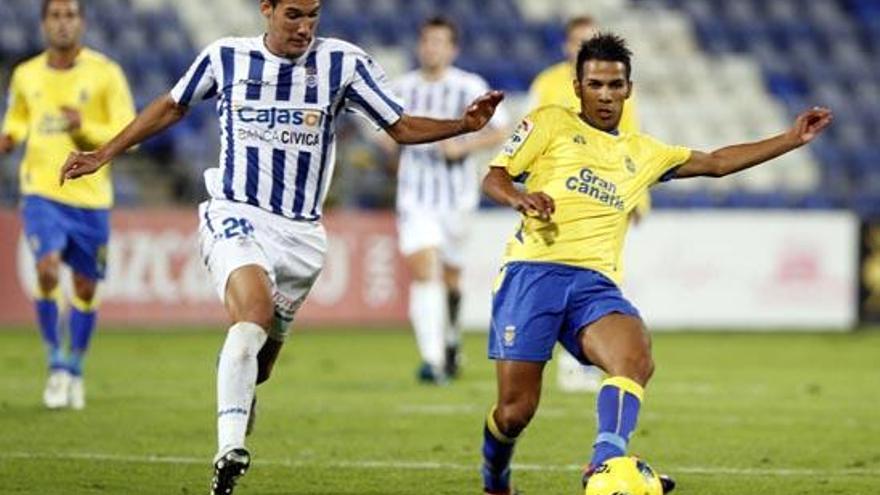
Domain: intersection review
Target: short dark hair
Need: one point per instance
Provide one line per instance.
(440, 21)
(607, 47)
(576, 22)
(44, 10)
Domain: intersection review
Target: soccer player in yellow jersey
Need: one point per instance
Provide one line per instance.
(553, 87)
(68, 98)
(562, 264)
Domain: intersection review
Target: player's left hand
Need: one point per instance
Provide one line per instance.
(73, 117)
(79, 163)
(480, 112)
(810, 124)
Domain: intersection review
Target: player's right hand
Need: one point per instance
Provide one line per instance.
(537, 204)
(80, 163)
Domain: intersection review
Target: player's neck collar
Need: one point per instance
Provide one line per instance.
(74, 58)
(613, 132)
(264, 47)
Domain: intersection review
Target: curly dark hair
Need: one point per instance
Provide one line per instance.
(607, 47)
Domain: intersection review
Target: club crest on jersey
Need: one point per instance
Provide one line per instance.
(578, 139)
(312, 77)
(515, 142)
(509, 335)
(630, 165)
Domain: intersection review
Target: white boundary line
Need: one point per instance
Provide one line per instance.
(428, 466)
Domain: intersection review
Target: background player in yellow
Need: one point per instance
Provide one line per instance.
(553, 87)
(68, 98)
(562, 265)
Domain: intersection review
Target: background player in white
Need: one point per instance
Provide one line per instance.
(278, 98)
(436, 192)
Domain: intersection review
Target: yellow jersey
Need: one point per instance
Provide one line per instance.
(595, 178)
(95, 86)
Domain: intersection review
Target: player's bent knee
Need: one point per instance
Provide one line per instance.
(48, 280)
(259, 316)
(47, 274)
(639, 366)
(84, 289)
(513, 418)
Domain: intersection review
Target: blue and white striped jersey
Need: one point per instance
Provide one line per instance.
(426, 179)
(278, 116)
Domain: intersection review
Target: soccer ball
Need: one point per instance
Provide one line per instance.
(624, 476)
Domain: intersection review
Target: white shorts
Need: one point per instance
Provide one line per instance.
(445, 231)
(233, 235)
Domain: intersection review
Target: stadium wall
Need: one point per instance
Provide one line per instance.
(712, 269)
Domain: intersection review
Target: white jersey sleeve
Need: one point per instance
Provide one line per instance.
(200, 81)
(370, 93)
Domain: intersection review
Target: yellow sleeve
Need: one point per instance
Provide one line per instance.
(663, 158)
(527, 143)
(16, 122)
(120, 111)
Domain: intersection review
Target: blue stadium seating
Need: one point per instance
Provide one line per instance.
(812, 52)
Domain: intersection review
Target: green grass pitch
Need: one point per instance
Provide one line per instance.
(727, 414)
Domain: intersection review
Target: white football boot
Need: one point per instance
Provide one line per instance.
(55, 395)
(77, 393)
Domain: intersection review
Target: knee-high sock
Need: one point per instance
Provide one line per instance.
(497, 452)
(427, 313)
(236, 380)
(618, 407)
(453, 330)
(46, 306)
(83, 316)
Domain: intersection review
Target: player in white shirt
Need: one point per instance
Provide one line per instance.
(278, 98)
(437, 190)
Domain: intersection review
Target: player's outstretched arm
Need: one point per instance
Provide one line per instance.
(162, 113)
(732, 159)
(499, 187)
(417, 130)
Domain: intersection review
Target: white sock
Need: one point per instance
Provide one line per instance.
(453, 331)
(236, 380)
(427, 312)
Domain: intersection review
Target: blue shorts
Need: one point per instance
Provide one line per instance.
(80, 235)
(539, 304)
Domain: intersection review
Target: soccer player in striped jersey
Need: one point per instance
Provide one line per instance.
(437, 190)
(65, 99)
(562, 266)
(278, 98)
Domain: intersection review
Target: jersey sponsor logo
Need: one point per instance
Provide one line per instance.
(293, 138)
(274, 116)
(253, 82)
(515, 142)
(52, 124)
(590, 184)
